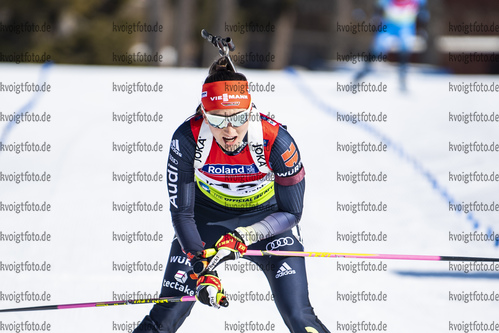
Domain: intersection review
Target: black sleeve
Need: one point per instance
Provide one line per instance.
(289, 186)
(285, 160)
(181, 189)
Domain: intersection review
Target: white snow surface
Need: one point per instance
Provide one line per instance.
(81, 192)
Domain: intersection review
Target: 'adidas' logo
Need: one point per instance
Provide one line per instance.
(285, 269)
(176, 147)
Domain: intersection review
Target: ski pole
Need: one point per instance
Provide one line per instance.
(260, 253)
(312, 254)
(108, 303)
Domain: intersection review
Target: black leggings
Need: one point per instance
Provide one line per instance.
(286, 276)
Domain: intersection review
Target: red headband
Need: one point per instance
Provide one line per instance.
(225, 95)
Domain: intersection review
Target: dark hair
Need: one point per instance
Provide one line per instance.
(221, 70)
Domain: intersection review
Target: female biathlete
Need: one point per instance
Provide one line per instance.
(235, 182)
(399, 18)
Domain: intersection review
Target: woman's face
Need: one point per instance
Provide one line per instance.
(229, 138)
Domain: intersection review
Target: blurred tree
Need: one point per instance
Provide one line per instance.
(81, 30)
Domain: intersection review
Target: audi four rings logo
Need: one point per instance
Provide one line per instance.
(275, 244)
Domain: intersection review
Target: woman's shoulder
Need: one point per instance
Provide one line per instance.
(189, 127)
